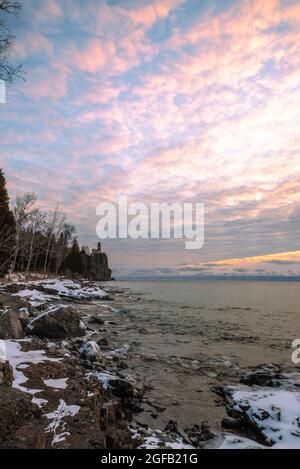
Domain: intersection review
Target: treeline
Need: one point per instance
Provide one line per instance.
(32, 240)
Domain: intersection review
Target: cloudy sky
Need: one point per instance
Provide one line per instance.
(165, 101)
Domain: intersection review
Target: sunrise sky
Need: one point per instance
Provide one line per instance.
(166, 101)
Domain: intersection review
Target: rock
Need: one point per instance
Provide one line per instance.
(122, 366)
(66, 345)
(10, 326)
(102, 342)
(23, 317)
(14, 302)
(14, 410)
(60, 323)
(78, 342)
(231, 423)
(6, 373)
(197, 434)
(96, 265)
(122, 389)
(96, 320)
(91, 351)
(264, 375)
(268, 415)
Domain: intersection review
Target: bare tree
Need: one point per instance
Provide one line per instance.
(53, 228)
(8, 70)
(37, 225)
(24, 209)
(6, 247)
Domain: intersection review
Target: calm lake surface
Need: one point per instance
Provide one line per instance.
(185, 337)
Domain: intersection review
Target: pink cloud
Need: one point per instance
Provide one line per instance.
(31, 44)
(90, 58)
(150, 13)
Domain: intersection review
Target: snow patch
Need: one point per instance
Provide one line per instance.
(57, 426)
(19, 359)
(35, 297)
(238, 442)
(56, 383)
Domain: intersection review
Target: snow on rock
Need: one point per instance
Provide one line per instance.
(19, 359)
(49, 310)
(119, 387)
(274, 414)
(57, 322)
(104, 377)
(74, 290)
(238, 442)
(57, 426)
(56, 383)
(35, 297)
(156, 439)
(91, 351)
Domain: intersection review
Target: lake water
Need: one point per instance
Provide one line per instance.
(185, 337)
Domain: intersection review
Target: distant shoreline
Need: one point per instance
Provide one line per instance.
(218, 278)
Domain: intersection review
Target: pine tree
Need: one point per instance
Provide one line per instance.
(73, 261)
(7, 228)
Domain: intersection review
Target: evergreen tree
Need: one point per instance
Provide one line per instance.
(73, 261)
(7, 229)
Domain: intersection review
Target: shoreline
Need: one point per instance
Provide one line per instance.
(60, 380)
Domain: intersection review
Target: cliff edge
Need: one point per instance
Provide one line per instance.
(96, 265)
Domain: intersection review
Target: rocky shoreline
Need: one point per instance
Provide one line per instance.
(65, 384)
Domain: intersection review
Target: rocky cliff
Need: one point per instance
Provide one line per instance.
(96, 265)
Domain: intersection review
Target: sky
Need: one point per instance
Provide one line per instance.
(164, 101)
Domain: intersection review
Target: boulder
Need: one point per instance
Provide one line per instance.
(91, 351)
(23, 317)
(264, 375)
(6, 373)
(10, 326)
(122, 389)
(7, 300)
(15, 408)
(59, 323)
(231, 423)
(96, 320)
